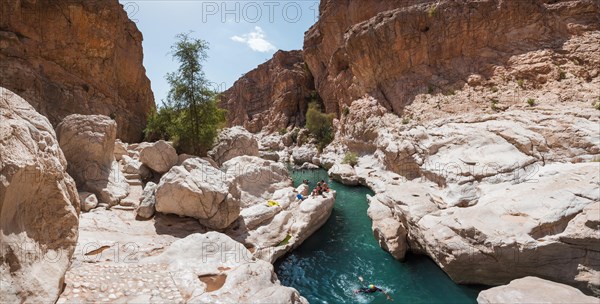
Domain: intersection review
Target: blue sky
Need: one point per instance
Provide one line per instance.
(241, 34)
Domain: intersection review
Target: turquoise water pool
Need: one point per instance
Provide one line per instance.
(326, 267)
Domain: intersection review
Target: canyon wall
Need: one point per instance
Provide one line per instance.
(395, 50)
(275, 95)
(76, 56)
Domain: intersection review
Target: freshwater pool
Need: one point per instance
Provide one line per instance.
(326, 267)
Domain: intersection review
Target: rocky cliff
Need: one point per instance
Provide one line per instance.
(274, 95)
(76, 56)
(395, 50)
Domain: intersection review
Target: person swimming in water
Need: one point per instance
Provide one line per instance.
(369, 289)
(372, 289)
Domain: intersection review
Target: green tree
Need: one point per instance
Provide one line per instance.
(320, 125)
(190, 117)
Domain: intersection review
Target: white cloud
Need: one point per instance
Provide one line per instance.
(256, 40)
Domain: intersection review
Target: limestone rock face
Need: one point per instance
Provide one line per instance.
(489, 197)
(272, 219)
(533, 290)
(344, 174)
(233, 142)
(275, 95)
(389, 232)
(212, 266)
(199, 190)
(304, 154)
(254, 179)
(120, 150)
(159, 156)
(435, 45)
(133, 166)
(148, 204)
(88, 144)
(39, 205)
(76, 56)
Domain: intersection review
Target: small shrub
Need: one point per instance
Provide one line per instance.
(432, 11)
(493, 104)
(351, 159)
(405, 120)
(562, 75)
(521, 83)
(494, 89)
(320, 125)
(283, 131)
(294, 135)
(450, 93)
(531, 102)
(430, 89)
(597, 106)
(346, 111)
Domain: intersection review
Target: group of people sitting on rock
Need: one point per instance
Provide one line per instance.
(320, 188)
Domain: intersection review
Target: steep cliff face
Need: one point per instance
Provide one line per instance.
(76, 56)
(395, 50)
(272, 96)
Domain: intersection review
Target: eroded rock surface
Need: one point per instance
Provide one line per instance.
(159, 156)
(199, 190)
(490, 198)
(39, 205)
(212, 267)
(233, 142)
(275, 95)
(273, 221)
(436, 47)
(76, 56)
(533, 290)
(88, 144)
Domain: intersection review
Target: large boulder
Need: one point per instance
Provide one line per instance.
(212, 267)
(39, 205)
(88, 143)
(133, 166)
(254, 180)
(148, 203)
(344, 174)
(389, 232)
(159, 156)
(77, 56)
(120, 149)
(534, 290)
(304, 154)
(233, 142)
(273, 221)
(88, 200)
(199, 190)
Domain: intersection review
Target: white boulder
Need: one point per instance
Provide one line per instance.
(159, 156)
(199, 190)
(88, 200)
(534, 290)
(234, 142)
(88, 144)
(39, 205)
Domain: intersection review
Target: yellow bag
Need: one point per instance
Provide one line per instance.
(272, 203)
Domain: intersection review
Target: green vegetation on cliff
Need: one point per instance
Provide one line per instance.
(320, 125)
